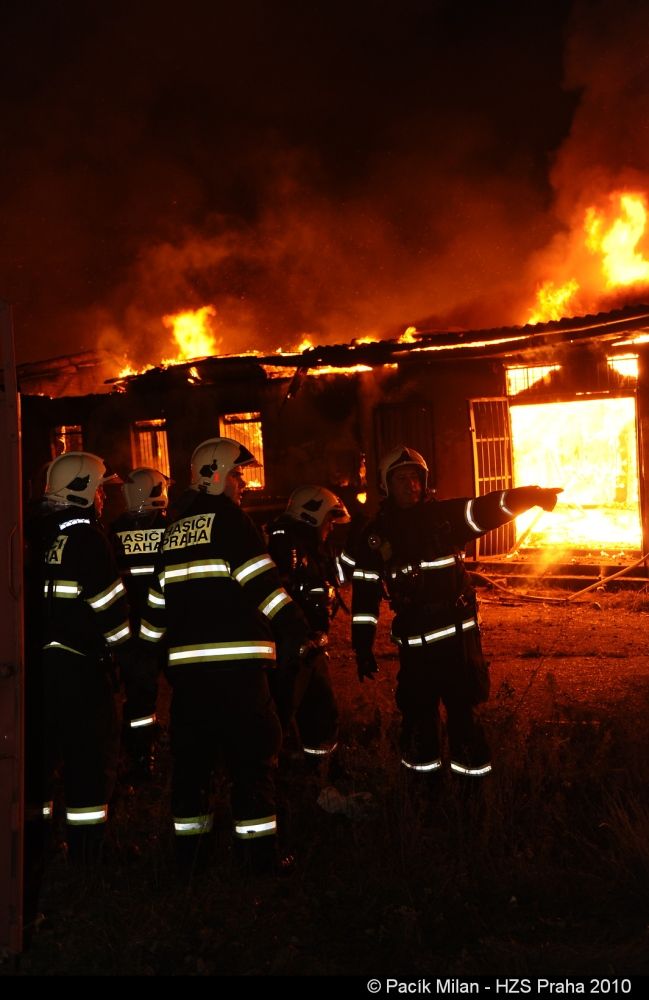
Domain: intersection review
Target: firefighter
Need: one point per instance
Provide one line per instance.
(136, 537)
(217, 597)
(84, 617)
(299, 543)
(413, 549)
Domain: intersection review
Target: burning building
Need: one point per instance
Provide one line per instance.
(559, 401)
(564, 403)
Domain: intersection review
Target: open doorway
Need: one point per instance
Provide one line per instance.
(589, 447)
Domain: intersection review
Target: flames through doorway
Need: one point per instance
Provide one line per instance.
(589, 447)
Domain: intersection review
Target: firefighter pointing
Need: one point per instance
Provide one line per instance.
(217, 597)
(413, 549)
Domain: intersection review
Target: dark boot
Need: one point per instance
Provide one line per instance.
(86, 845)
(260, 856)
(193, 855)
(140, 747)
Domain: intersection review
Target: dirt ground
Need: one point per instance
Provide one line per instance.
(587, 656)
(546, 871)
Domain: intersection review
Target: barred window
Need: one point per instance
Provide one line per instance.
(520, 377)
(625, 365)
(246, 428)
(149, 445)
(66, 437)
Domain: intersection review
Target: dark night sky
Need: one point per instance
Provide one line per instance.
(335, 169)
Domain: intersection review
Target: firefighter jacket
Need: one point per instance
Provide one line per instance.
(136, 539)
(84, 601)
(414, 557)
(216, 593)
(307, 569)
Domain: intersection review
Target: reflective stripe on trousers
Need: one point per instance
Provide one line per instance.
(146, 720)
(432, 765)
(193, 826)
(87, 816)
(320, 751)
(474, 772)
(247, 829)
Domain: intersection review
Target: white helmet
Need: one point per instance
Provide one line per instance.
(311, 504)
(145, 489)
(395, 459)
(74, 477)
(214, 459)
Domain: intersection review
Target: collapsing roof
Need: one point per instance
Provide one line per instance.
(512, 344)
(86, 372)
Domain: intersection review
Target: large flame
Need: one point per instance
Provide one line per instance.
(192, 333)
(588, 447)
(607, 252)
(622, 263)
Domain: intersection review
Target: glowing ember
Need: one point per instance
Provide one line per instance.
(341, 370)
(589, 448)
(361, 497)
(129, 370)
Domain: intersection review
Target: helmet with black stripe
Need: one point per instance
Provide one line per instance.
(214, 459)
(74, 477)
(146, 489)
(312, 504)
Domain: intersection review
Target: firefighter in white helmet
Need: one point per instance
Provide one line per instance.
(299, 542)
(136, 536)
(83, 618)
(413, 549)
(217, 599)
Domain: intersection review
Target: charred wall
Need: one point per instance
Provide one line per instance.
(441, 392)
(328, 429)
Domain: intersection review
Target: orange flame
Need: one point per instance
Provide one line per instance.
(552, 301)
(622, 264)
(613, 235)
(589, 448)
(194, 339)
(191, 330)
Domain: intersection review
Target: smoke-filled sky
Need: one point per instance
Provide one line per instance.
(336, 169)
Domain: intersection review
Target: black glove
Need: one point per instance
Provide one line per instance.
(366, 665)
(547, 498)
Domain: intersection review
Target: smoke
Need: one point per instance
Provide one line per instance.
(606, 149)
(333, 172)
(606, 60)
(310, 266)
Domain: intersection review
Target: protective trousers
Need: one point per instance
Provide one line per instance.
(80, 730)
(456, 676)
(140, 668)
(224, 712)
(317, 713)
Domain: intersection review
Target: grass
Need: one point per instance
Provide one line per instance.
(543, 869)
